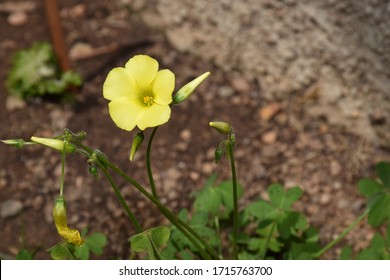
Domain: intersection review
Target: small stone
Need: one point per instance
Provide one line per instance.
(13, 103)
(240, 84)
(325, 198)
(17, 18)
(269, 137)
(11, 208)
(225, 91)
(335, 168)
(269, 111)
(80, 50)
(185, 135)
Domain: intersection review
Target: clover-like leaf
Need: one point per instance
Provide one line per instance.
(383, 171)
(61, 252)
(159, 235)
(226, 191)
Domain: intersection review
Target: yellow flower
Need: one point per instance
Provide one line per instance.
(140, 94)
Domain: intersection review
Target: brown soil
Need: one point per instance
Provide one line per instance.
(294, 137)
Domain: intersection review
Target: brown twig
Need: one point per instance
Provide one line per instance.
(60, 48)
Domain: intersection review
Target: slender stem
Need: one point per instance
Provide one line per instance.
(62, 178)
(200, 243)
(265, 247)
(120, 198)
(342, 235)
(187, 231)
(148, 165)
(235, 198)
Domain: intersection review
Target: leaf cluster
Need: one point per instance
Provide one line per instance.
(35, 72)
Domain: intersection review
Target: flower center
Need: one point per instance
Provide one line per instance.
(148, 100)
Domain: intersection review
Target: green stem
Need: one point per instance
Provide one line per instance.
(180, 224)
(187, 231)
(62, 178)
(148, 165)
(342, 235)
(120, 197)
(265, 247)
(235, 197)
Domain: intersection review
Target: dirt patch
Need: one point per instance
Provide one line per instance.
(307, 96)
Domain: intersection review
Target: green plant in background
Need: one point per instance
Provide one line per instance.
(377, 193)
(215, 227)
(93, 243)
(35, 72)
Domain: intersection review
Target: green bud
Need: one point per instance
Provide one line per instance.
(137, 142)
(93, 170)
(186, 91)
(222, 127)
(218, 154)
(19, 143)
(54, 144)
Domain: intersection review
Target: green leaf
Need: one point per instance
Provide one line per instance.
(82, 252)
(208, 200)
(379, 211)
(346, 253)
(96, 242)
(281, 199)
(200, 218)
(61, 252)
(375, 251)
(261, 210)
(276, 194)
(24, 254)
(368, 187)
(139, 242)
(226, 191)
(383, 171)
(160, 235)
(291, 196)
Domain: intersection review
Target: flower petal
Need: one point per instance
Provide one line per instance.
(163, 87)
(119, 83)
(144, 69)
(126, 112)
(154, 115)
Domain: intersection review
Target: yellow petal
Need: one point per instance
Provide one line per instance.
(126, 112)
(154, 115)
(143, 69)
(119, 83)
(163, 87)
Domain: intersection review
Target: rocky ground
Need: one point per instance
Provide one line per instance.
(304, 83)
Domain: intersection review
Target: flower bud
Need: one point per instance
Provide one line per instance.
(54, 144)
(218, 154)
(221, 127)
(59, 215)
(19, 143)
(186, 91)
(137, 141)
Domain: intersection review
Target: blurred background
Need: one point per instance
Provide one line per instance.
(305, 84)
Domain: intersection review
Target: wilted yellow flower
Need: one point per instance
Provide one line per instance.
(140, 94)
(60, 220)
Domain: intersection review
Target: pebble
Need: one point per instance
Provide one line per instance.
(225, 91)
(186, 135)
(13, 103)
(269, 111)
(80, 50)
(11, 208)
(325, 198)
(17, 18)
(269, 137)
(335, 168)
